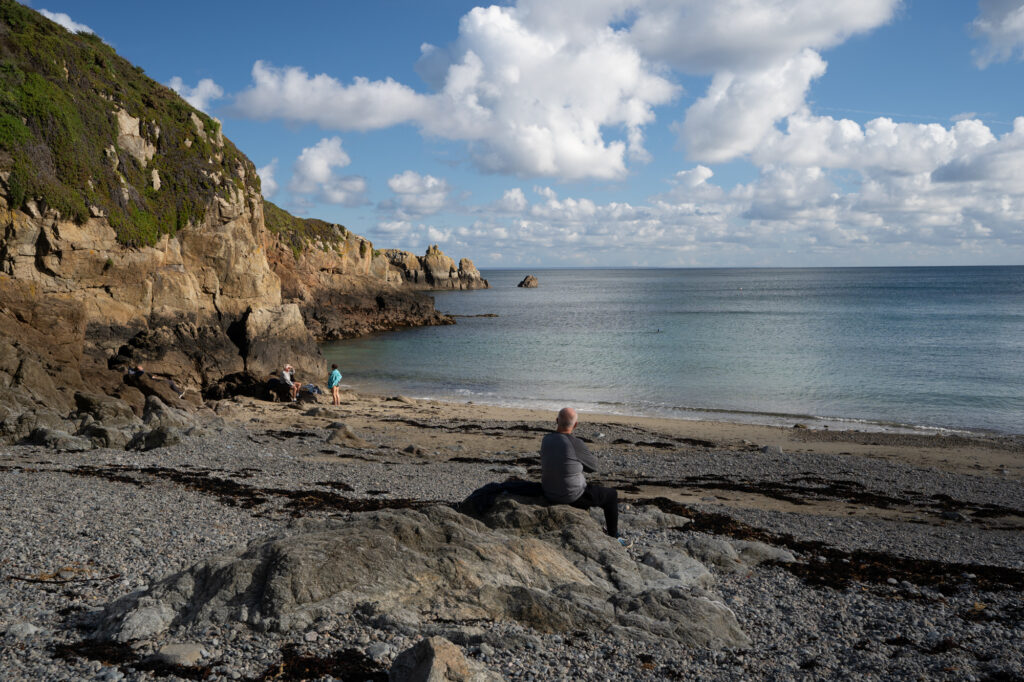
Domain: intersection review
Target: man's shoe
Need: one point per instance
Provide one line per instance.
(625, 542)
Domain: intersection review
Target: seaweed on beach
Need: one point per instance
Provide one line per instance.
(125, 659)
(825, 566)
(241, 495)
(821, 489)
(792, 492)
(348, 665)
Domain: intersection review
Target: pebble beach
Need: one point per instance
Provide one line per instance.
(908, 551)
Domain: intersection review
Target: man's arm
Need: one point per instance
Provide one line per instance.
(583, 455)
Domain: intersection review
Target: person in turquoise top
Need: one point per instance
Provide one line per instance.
(334, 383)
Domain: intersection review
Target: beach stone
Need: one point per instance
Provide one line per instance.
(551, 568)
(320, 412)
(380, 651)
(435, 659)
(342, 434)
(184, 654)
(752, 552)
(22, 631)
(149, 617)
(402, 399)
(773, 450)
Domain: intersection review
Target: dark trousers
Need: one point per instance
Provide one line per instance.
(605, 498)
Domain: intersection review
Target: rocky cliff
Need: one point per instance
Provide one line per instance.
(347, 288)
(133, 232)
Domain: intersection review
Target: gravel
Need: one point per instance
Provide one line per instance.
(82, 529)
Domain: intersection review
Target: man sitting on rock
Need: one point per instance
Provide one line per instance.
(288, 377)
(139, 373)
(563, 459)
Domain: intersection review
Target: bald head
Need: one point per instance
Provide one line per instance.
(566, 420)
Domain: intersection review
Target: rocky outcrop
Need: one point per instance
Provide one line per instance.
(549, 568)
(342, 288)
(529, 282)
(434, 270)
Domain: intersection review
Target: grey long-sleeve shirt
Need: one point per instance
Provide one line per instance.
(563, 459)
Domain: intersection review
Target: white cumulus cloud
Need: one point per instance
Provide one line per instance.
(528, 98)
(267, 182)
(205, 91)
(746, 35)
(739, 110)
(313, 175)
(1000, 26)
(66, 21)
(417, 194)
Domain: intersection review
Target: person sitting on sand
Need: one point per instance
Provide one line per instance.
(563, 459)
(334, 383)
(288, 376)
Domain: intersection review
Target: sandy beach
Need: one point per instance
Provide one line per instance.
(904, 551)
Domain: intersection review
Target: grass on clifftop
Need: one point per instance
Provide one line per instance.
(59, 93)
(299, 233)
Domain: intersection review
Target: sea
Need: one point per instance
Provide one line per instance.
(929, 349)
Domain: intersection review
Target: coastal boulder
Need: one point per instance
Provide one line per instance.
(552, 569)
(529, 282)
(105, 409)
(275, 337)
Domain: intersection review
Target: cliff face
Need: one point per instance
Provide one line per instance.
(346, 288)
(132, 232)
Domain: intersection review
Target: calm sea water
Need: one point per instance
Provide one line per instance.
(866, 348)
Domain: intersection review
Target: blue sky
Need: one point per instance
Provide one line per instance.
(616, 132)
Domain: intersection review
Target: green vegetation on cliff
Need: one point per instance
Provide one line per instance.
(300, 233)
(59, 97)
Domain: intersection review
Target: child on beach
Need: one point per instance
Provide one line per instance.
(334, 383)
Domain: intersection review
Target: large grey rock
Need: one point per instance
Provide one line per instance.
(103, 408)
(435, 659)
(158, 414)
(18, 420)
(278, 336)
(103, 436)
(679, 566)
(549, 568)
(161, 436)
(59, 440)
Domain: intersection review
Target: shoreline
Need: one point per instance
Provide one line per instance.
(994, 454)
(719, 415)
